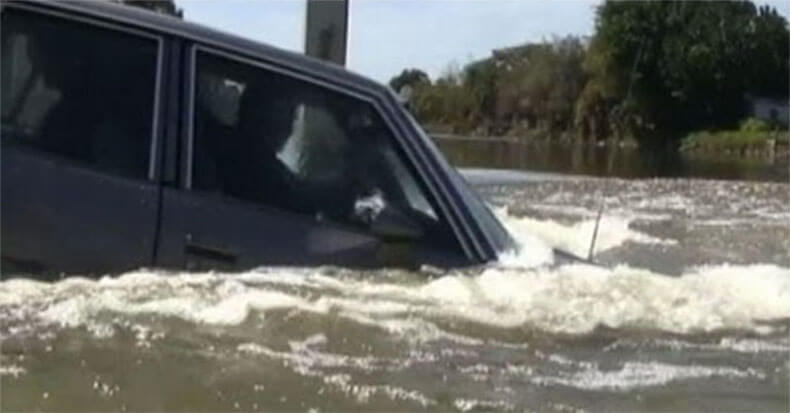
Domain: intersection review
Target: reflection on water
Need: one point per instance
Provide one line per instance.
(625, 162)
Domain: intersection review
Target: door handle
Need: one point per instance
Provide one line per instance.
(209, 252)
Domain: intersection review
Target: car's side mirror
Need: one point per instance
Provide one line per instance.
(392, 225)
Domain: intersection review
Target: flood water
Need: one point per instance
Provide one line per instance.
(689, 311)
(613, 161)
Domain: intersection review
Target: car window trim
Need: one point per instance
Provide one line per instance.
(272, 210)
(194, 50)
(158, 91)
(261, 51)
(423, 160)
(431, 147)
(193, 54)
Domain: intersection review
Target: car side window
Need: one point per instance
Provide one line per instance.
(78, 91)
(271, 139)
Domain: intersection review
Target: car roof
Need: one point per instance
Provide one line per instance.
(142, 18)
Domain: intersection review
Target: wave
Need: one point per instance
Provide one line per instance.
(522, 291)
(536, 236)
(572, 299)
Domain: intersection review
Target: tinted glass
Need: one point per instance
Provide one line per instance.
(288, 144)
(78, 91)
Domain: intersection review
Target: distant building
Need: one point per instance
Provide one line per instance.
(770, 109)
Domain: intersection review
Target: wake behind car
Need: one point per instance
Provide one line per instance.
(131, 139)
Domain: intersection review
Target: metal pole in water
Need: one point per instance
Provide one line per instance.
(595, 233)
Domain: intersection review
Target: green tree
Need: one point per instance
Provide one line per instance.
(771, 76)
(527, 87)
(480, 80)
(540, 88)
(663, 68)
(448, 102)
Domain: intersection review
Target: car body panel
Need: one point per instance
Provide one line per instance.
(60, 218)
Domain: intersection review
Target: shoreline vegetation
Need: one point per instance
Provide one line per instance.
(758, 146)
(763, 142)
(683, 75)
(754, 138)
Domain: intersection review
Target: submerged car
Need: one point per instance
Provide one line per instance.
(132, 139)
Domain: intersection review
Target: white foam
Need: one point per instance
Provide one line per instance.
(466, 405)
(637, 375)
(537, 236)
(304, 360)
(570, 299)
(583, 212)
(673, 202)
(752, 346)
(12, 370)
(728, 344)
(578, 298)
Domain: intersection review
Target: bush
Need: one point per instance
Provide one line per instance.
(733, 138)
(755, 125)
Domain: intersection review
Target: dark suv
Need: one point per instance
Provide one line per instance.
(131, 139)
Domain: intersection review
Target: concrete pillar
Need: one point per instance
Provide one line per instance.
(326, 30)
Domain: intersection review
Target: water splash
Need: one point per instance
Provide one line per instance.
(572, 299)
(537, 236)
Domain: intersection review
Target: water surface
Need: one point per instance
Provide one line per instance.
(690, 311)
(612, 161)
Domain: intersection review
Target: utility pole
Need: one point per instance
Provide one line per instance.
(326, 30)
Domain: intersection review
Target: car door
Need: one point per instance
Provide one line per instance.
(79, 132)
(280, 170)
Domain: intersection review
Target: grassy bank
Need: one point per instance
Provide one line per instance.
(527, 136)
(753, 138)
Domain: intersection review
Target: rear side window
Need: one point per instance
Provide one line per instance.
(78, 91)
(267, 138)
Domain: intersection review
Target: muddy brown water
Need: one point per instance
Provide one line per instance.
(690, 311)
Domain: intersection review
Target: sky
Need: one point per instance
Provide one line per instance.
(386, 36)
